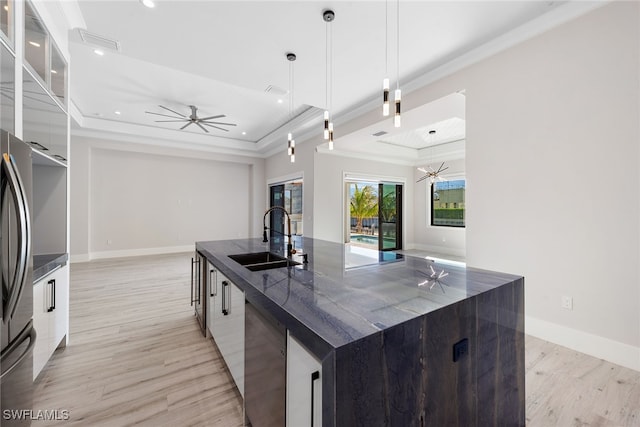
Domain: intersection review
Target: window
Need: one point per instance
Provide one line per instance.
(447, 203)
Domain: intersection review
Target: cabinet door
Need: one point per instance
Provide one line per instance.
(41, 324)
(212, 299)
(50, 315)
(228, 327)
(304, 386)
(235, 348)
(59, 324)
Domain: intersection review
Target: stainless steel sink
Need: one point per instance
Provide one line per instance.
(257, 261)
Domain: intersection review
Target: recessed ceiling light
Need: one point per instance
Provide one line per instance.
(117, 112)
(34, 44)
(149, 3)
(98, 52)
(280, 101)
(244, 133)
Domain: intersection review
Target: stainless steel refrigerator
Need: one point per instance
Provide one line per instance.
(16, 262)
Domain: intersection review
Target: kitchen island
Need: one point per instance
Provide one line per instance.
(396, 346)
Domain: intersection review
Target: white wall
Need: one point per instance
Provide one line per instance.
(552, 154)
(553, 189)
(139, 200)
(278, 168)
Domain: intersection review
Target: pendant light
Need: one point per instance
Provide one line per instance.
(429, 173)
(398, 94)
(328, 16)
(291, 143)
(385, 81)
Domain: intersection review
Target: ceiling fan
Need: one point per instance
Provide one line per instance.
(432, 174)
(193, 119)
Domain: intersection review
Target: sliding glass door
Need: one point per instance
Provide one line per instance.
(276, 220)
(287, 195)
(390, 216)
(374, 212)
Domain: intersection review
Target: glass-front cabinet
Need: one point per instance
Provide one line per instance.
(44, 121)
(58, 74)
(36, 42)
(44, 115)
(42, 55)
(6, 21)
(7, 89)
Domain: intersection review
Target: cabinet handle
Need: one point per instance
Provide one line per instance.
(195, 280)
(314, 376)
(212, 283)
(225, 308)
(52, 284)
(193, 261)
(198, 283)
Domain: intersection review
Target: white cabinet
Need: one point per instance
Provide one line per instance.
(304, 386)
(50, 315)
(225, 321)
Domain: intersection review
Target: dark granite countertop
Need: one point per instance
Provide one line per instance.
(346, 293)
(44, 264)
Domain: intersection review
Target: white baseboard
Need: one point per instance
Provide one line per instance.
(442, 250)
(603, 348)
(132, 252)
(79, 258)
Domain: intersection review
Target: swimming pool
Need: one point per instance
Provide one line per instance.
(363, 238)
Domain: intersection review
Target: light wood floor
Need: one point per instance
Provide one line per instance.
(136, 356)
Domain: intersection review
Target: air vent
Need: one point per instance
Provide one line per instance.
(98, 40)
(275, 90)
(380, 133)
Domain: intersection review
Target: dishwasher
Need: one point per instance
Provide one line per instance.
(264, 370)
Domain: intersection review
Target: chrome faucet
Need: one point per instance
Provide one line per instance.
(290, 250)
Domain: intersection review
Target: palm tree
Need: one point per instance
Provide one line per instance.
(364, 204)
(388, 208)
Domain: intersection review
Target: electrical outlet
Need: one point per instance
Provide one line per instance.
(567, 303)
(460, 349)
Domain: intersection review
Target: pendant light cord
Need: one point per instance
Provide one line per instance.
(331, 72)
(290, 88)
(398, 44)
(326, 66)
(386, 38)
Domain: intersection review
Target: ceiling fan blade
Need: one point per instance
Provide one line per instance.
(212, 117)
(217, 123)
(188, 123)
(174, 112)
(175, 120)
(202, 127)
(163, 115)
(210, 125)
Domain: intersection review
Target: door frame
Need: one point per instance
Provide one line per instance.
(349, 177)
